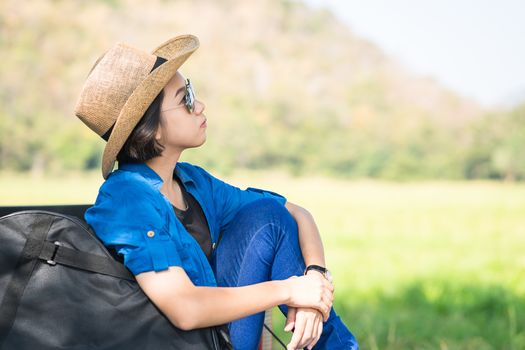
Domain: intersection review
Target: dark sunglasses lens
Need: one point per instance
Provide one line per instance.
(190, 97)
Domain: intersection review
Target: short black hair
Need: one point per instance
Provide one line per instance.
(141, 144)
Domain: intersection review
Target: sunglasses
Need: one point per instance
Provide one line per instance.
(189, 98)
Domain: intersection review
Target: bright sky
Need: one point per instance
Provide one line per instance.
(475, 47)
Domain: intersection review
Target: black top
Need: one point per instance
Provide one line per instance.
(194, 220)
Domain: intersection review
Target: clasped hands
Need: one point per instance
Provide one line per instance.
(306, 323)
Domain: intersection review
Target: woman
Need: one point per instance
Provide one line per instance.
(165, 217)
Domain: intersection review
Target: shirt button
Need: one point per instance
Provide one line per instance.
(151, 234)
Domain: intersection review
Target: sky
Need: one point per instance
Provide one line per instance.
(475, 47)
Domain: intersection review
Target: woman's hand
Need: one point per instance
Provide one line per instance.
(308, 325)
(312, 291)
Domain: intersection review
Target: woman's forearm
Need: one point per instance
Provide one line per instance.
(207, 306)
(309, 236)
(188, 306)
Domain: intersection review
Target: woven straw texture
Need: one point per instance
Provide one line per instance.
(121, 86)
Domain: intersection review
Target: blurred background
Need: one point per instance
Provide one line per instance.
(399, 125)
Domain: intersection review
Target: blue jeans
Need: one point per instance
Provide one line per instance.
(262, 244)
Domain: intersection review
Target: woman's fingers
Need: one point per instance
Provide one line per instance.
(290, 319)
(315, 329)
(308, 330)
(328, 290)
(318, 330)
(329, 298)
(331, 287)
(325, 311)
(312, 291)
(326, 307)
(297, 335)
(326, 299)
(318, 334)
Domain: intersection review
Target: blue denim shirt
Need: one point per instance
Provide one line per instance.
(132, 216)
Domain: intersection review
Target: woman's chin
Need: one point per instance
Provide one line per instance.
(202, 142)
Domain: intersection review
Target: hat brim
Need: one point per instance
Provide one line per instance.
(176, 51)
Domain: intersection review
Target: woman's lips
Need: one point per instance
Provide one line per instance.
(204, 124)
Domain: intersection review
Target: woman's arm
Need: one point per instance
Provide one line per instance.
(190, 307)
(309, 237)
(306, 322)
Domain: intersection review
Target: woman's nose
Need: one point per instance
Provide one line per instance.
(199, 107)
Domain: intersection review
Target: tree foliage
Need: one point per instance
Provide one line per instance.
(285, 87)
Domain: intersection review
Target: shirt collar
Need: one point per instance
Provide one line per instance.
(182, 174)
(150, 175)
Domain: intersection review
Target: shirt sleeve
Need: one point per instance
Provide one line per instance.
(131, 220)
(229, 199)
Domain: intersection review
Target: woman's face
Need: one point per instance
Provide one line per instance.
(179, 129)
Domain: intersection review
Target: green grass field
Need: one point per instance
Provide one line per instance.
(427, 265)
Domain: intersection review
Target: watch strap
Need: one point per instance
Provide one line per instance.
(317, 268)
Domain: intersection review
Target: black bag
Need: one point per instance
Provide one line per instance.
(60, 288)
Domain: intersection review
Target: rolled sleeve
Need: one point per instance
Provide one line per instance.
(154, 253)
(129, 219)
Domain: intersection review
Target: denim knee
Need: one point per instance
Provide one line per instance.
(267, 209)
(263, 228)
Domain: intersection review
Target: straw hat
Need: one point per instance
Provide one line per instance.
(121, 86)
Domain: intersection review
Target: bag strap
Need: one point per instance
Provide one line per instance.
(55, 253)
(22, 273)
(37, 248)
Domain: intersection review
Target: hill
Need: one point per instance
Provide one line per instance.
(285, 86)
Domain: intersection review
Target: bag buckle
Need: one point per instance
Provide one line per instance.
(51, 261)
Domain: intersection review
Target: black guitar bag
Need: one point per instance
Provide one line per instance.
(60, 288)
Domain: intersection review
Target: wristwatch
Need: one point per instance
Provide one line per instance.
(323, 270)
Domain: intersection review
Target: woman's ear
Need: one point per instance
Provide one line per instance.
(158, 134)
